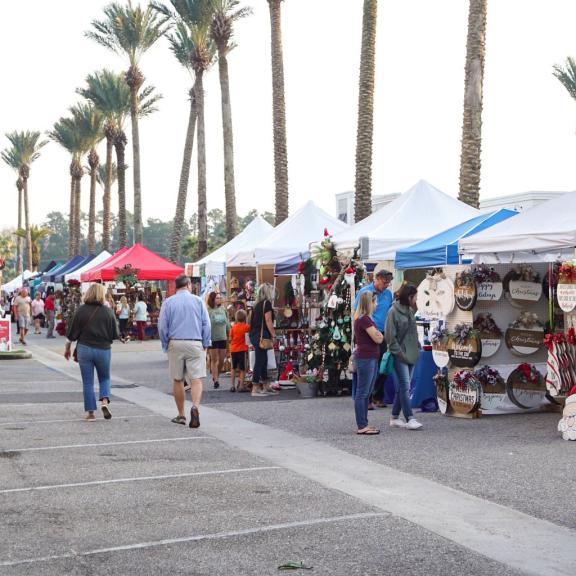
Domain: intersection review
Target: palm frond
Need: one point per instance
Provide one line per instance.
(567, 75)
(25, 147)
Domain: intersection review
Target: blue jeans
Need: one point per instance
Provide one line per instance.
(260, 369)
(88, 359)
(366, 372)
(403, 373)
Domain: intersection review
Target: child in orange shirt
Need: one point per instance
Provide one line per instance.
(238, 349)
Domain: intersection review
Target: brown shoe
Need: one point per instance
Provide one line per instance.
(194, 418)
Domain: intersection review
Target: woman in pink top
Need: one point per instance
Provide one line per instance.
(37, 312)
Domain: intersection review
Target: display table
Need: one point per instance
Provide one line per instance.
(422, 386)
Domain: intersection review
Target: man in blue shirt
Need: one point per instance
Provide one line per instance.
(379, 288)
(184, 328)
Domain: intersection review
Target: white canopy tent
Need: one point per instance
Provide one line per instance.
(416, 215)
(104, 255)
(544, 233)
(291, 238)
(248, 239)
(17, 282)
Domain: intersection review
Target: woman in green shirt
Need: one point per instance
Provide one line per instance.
(220, 329)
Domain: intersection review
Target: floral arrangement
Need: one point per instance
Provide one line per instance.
(485, 324)
(439, 334)
(440, 379)
(483, 274)
(465, 278)
(489, 377)
(527, 320)
(529, 374)
(463, 332)
(567, 273)
(73, 283)
(127, 274)
(465, 379)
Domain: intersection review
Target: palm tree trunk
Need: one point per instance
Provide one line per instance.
(71, 226)
(19, 255)
(77, 216)
(27, 225)
(363, 188)
(107, 195)
(279, 113)
(202, 209)
(178, 224)
(470, 161)
(93, 162)
(135, 79)
(120, 145)
(228, 137)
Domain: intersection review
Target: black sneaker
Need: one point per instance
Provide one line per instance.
(106, 412)
(194, 418)
(216, 385)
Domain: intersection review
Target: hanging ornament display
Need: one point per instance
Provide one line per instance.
(464, 346)
(464, 393)
(525, 387)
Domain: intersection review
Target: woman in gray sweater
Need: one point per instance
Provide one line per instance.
(402, 340)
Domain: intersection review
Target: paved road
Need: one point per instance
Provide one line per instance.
(266, 481)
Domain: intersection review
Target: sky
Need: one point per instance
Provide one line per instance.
(529, 120)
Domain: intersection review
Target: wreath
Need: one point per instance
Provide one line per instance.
(489, 377)
(483, 274)
(485, 324)
(465, 380)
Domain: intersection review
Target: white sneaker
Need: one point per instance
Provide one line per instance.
(397, 423)
(413, 424)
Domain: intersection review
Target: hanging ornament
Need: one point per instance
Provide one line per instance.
(343, 338)
(332, 346)
(336, 334)
(340, 321)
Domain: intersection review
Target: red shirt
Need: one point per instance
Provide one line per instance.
(238, 337)
(49, 304)
(365, 346)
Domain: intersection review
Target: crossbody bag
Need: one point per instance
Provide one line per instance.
(75, 353)
(387, 361)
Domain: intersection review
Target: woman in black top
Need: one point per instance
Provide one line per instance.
(262, 326)
(94, 327)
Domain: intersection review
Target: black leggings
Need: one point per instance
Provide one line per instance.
(260, 371)
(123, 326)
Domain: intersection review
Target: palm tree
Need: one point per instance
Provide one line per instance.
(110, 95)
(191, 44)
(470, 161)
(90, 123)
(226, 12)
(567, 75)
(279, 113)
(37, 235)
(363, 185)
(68, 134)
(25, 150)
(130, 30)
(12, 158)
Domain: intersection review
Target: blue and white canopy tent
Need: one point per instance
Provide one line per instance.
(442, 249)
(60, 276)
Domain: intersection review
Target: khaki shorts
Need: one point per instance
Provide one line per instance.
(186, 357)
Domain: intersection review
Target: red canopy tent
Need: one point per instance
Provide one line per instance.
(150, 266)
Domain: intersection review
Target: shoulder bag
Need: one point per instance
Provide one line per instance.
(75, 353)
(387, 360)
(265, 343)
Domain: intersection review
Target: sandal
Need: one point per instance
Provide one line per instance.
(90, 417)
(368, 432)
(179, 420)
(232, 389)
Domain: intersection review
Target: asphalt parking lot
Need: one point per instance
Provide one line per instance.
(265, 482)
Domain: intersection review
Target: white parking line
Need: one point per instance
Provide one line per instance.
(137, 479)
(117, 418)
(99, 444)
(198, 538)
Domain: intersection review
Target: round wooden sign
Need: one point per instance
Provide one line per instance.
(525, 341)
(465, 398)
(465, 292)
(435, 297)
(490, 345)
(526, 392)
(442, 387)
(566, 296)
(489, 291)
(493, 388)
(465, 354)
(440, 355)
(525, 292)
